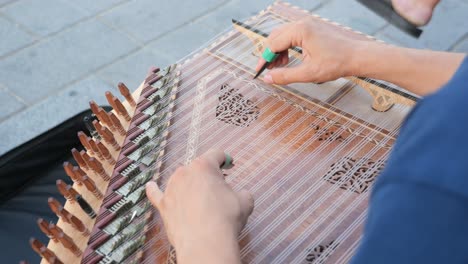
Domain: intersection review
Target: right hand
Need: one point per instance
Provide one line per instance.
(328, 52)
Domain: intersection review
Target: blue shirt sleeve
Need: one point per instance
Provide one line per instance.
(411, 223)
(418, 210)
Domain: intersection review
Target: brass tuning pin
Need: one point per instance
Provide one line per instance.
(84, 141)
(106, 135)
(110, 99)
(86, 158)
(97, 167)
(79, 159)
(67, 217)
(93, 146)
(102, 114)
(88, 182)
(116, 122)
(62, 187)
(120, 108)
(56, 207)
(44, 226)
(68, 167)
(126, 93)
(105, 153)
(64, 239)
(44, 252)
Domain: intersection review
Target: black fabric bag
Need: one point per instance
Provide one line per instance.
(27, 179)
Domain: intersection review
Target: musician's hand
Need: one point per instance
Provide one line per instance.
(327, 52)
(201, 213)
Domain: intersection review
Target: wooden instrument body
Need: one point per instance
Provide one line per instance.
(308, 153)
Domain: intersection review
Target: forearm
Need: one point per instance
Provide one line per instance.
(419, 71)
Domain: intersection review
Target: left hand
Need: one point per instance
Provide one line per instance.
(198, 207)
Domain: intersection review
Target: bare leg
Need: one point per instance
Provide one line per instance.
(418, 12)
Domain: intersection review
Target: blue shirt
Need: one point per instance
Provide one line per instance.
(418, 211)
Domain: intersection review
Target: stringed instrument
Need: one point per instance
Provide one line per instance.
(308, 153)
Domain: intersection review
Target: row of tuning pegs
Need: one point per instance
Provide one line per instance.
(97, 155)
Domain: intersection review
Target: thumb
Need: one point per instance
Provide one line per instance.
(154, 194)
(288, 75)
(247, 204)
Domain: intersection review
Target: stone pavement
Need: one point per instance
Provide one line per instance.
(55, 55)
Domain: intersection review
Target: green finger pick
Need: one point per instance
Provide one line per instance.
(228, 162)
(269, 55)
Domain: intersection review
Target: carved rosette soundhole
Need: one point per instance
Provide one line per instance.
(327, 134)
(317, 252)
(354, 175)
(234, 109)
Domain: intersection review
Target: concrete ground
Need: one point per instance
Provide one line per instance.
(56, 55)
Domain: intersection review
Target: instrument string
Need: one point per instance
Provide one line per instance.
(323, 197)
(246, 149)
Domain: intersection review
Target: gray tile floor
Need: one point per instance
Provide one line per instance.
(55, 55)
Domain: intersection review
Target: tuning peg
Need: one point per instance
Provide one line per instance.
(93, 145)
(79, 159)
(83, 139)
(105, 153)
(94, 107)
(116, 123)
(67, 217)
(110, 99)
(56, 207)
(126, 93)
(62, 187)
(88, 182)
(106, 135)
(85, 157)
(77, 224)
(44, 252)
(120, 109)
(68, 167)
(97, 167)
(64, 239)
(44, 226)
(102, 114)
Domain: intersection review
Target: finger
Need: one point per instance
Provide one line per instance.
(284, 38)
(289, 75)
(215, 157)
(284, 60)
(247, 203)
(154, 194)
(260, 63)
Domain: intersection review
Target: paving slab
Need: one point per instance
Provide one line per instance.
(51, 112)
(9, 104)
(43, 17)
(37, 71)
(352, 14)
(449, 23)
(147, 19)
(4, 2)
(92, 7)
(132, 69)
(12, 36)
(179, 43)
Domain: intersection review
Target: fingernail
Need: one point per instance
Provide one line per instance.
(268, 79)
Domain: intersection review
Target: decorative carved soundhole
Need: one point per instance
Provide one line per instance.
(316, 252)
(363, 173)
(234, 109)
(326, 134)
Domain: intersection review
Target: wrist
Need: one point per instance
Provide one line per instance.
(216, 246)
(364, 57)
